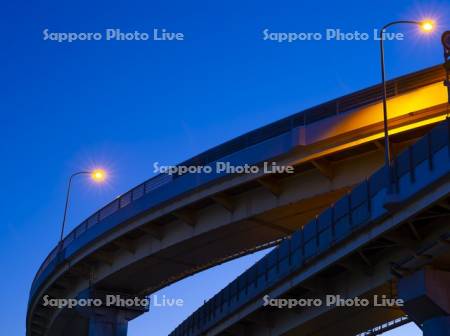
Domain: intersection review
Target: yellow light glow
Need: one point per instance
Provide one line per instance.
(427, 26)
(98, 175)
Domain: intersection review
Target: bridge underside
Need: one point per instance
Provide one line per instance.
(374, 270)
(140, 252)
(420, 242)
(259, 229)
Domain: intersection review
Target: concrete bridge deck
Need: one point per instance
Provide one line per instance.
(359, 247)
(168, 228)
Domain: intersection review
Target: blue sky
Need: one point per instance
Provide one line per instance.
(126, 104)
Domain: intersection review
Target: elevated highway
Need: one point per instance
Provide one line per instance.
(380, 240)
(170, 227)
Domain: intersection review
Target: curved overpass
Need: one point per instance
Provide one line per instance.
(359, 247)
(160, 231)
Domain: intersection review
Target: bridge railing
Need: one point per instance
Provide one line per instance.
(112, 207)
(334, 107)
(367, 203)
(385, 327)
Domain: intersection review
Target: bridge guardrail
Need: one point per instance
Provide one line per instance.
(334, 107)
(365, 204)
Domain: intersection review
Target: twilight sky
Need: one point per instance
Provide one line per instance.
(126, 104)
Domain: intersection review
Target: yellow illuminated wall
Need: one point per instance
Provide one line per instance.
(419, 99)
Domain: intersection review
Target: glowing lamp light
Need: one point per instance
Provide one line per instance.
(98, 175)
(427, 26)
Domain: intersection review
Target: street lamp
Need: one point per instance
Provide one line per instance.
(97, 175)
(425, 26)
(446, 44)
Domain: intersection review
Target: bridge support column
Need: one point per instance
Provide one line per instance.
(108, 322)
(426, 296)
(110, 317)
(439, 326)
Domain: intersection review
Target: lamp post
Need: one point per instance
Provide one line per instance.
(446, 44)
(97, 175)
(426, 26)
